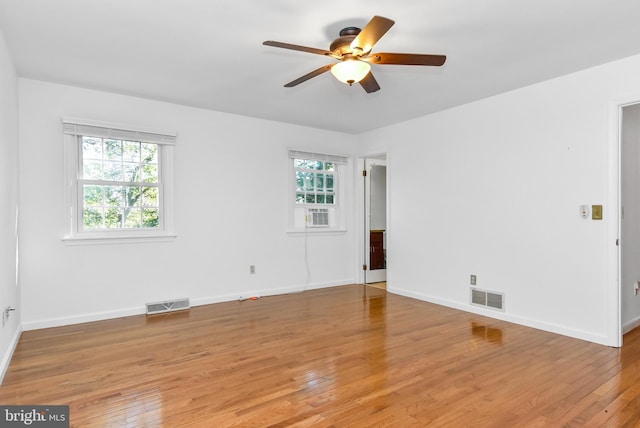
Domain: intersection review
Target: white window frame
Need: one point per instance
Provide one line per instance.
(73, 130)
(298, 220)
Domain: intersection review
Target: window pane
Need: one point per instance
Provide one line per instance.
(299, 181)
(309, 164)
(91, 148)
(299, 198)
(131, 151)
(150, 217)
(92, 218)
(130, 171)
(329, 183)
(320, 182)
(149, 153)
(320, 199)
(318, 165)
(113, 218)
(132, 196)
(92, 170)
(310, 199)
(92, 195)
(122, 203)
(150, 173)
(132, 218)
(112, 171)
(113, 196)
(328, 166)
(299, 163)
(113, 149)
(309, 184)
(330, 199)
(149, 196)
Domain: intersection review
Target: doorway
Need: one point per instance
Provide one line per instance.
(375, 220)
(630, 217)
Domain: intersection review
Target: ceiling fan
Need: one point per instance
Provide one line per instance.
(353, 50)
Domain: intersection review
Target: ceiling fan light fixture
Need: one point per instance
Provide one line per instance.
(351, 71)
(353, 52)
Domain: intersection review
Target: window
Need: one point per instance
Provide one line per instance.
(119, 182)
(317, 191)
(315, 181)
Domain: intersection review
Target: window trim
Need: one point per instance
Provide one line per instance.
(73, 129)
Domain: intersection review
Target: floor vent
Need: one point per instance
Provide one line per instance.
(488, 299)
(168, 306)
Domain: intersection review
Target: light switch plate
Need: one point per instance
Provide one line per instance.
(596, 212)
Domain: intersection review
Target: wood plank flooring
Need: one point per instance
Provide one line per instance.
(351, 356)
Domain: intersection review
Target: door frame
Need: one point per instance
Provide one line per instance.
(376, 275)
(614, 231)
(361, 223)
(635, 101)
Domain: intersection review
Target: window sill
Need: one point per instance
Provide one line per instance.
(108, 240)
(316, 231)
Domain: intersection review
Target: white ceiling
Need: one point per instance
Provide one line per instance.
(209, 53)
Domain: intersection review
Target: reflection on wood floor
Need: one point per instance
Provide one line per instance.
(380, 285)
(343, 356)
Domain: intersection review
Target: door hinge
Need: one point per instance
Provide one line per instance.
(364, 172)
(364, 267)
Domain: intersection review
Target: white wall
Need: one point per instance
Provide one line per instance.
(9, 292)
(231, 192)
(493, 188)
(630, 190)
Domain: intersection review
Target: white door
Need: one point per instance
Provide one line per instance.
(375, 190)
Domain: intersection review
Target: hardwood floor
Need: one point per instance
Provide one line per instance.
(337, 357)
(381, 285)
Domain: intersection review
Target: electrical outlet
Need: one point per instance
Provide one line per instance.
(252, 269)
(473, 280)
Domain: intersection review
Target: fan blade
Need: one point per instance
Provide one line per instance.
(405, 59)
(308, 76)
(371, 33)
(297, 47)
(369, 83)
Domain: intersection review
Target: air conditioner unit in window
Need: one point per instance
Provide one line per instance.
(317, 217)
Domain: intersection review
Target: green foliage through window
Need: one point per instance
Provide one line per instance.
(119, 184)
(315, 182)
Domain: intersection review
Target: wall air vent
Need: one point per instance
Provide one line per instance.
(317, 217)
(487, 299)
(167, 306)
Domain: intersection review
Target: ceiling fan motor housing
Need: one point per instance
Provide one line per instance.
(342, 45)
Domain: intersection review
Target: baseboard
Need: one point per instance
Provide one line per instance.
(6, 359)
(540, 325)
(83, 318)
(269, 292)
(198, 301)
(630, 325)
